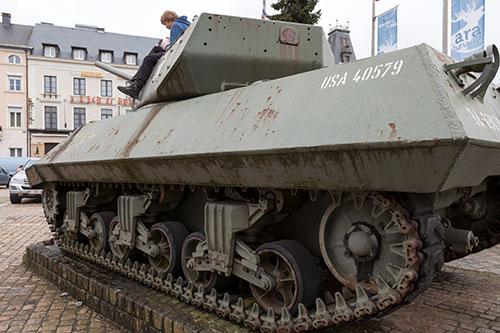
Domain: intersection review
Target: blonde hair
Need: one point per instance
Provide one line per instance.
(169, 16)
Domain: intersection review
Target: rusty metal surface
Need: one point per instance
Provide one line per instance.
(394, 122)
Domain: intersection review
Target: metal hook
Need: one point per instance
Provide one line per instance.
(486, 62)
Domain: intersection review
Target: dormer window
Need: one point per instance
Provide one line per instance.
(50, 51)
(130, 59)
(78, 54)
(14, 59)
(106, 56)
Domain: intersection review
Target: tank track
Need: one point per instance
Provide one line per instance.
(424, 252)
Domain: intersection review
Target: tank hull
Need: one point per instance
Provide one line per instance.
(394, 122)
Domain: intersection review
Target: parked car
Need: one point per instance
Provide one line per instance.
(12, 164)
(19, 186)
(4, 177)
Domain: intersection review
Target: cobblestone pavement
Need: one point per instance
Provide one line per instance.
(27, 302)
(464, 298)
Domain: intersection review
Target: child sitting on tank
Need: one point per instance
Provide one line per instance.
(176, 25)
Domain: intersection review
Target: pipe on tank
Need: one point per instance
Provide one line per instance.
(113, 70)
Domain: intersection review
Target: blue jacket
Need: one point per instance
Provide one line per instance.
(178, 28)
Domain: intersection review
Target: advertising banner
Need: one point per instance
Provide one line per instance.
(467, 28)
(388, 31)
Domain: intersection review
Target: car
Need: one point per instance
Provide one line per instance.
(12, 164)
(19, 186)
(4, 177)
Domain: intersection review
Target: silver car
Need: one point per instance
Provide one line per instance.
(19, 186)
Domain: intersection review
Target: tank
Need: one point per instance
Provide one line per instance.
(259, 181)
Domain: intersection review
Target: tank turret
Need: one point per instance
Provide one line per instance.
(217, 51)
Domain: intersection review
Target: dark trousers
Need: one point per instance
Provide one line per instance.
(146, 68)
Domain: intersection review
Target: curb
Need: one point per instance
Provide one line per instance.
(133, 306)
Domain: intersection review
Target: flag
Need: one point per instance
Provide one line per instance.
(467, 28)
(264, 9)
(388, 31)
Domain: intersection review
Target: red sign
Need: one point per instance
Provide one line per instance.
(100, 100)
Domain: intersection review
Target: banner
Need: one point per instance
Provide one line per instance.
(467, 28)
(388, 31)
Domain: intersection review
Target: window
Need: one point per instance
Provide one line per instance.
(48, 146)
(50, 84)
(106, 56)
(79, 117)
(106, 113)
(49, 50)
(78, 86)
(128, 111)
(106, 88)
(130, 59)
(78, 54)
(15, 116)
(50, 117)
(16, 152)
(14, 82)
(13, 59)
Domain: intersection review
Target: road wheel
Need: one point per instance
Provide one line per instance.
(207, 279)
(295, 274)
(169, 237)
(99, 223)
(121, 251)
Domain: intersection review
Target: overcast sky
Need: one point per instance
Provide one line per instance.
(419, 20)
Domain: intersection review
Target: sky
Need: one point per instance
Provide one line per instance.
(419, 21)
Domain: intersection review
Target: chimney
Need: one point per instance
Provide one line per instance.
(5, 19)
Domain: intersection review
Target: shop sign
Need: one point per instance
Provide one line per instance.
(100, 100)
(92, 74)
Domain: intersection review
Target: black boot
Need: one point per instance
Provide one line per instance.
(131, 90)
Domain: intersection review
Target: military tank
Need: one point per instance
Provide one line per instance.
(258, 181)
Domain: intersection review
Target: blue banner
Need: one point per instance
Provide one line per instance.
(388, 31)
(467, 28)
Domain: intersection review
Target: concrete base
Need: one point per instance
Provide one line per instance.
(133, 306)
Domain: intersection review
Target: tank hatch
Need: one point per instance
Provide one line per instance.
(218, 52)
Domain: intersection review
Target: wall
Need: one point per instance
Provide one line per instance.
(12, 137)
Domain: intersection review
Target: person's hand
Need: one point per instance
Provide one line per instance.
(165, 42)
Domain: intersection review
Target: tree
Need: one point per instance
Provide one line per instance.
(300, 11)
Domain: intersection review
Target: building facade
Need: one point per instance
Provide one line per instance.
(66, 94)
(13, 87)
(66, 90)
(50, 86)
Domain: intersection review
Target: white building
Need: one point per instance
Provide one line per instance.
(66, 90)
(13, 87)
(49, 85)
